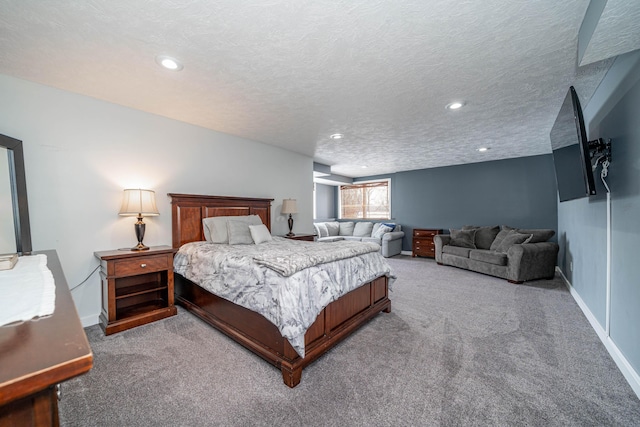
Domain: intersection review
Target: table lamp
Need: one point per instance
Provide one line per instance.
(289, 206)
(137, 202)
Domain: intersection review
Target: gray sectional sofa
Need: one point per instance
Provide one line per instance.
(387, 234)
(514, 254)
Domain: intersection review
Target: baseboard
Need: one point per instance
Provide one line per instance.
(623, 364)
(406, 253)
(89, 320)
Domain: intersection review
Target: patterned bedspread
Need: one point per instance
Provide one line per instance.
(291, 303)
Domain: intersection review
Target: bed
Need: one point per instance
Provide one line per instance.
(252, 330)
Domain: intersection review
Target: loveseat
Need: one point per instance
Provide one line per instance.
(388, 235)
(514, 254)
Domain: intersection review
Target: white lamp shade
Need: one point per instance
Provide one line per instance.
(289, 206)
(139, 202)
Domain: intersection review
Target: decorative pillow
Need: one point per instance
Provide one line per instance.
(239, 233)
(499, 238)
(538, 235)
(362, 229)
(381, 230)
(390, 224)
(346, 229)
(463, 238)
(484, 235)
(215, 228)
(260, 233)
(513, 238)
(322, 230)
(333, 228)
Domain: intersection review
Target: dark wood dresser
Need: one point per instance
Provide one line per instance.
(423, 242)
(37, 355)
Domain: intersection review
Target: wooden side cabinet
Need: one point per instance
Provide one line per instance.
(423, 242)
(307, 237)
(137, 287)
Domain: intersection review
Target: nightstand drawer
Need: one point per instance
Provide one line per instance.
(141, 265)
(424, 242)
(425, 233)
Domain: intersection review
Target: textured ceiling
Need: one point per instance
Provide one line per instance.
(617, 31)
(290, 73)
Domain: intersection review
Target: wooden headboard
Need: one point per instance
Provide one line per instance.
(188, 210)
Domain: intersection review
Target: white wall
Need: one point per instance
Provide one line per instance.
(80, 153)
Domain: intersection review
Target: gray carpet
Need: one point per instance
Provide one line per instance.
(458, 348)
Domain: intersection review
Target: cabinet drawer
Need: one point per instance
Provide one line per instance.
(141, 265)
(424, 233)
(424, 242)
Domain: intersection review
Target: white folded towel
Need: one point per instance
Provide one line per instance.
(28, 290)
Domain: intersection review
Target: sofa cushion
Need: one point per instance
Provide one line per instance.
(512, 238)
(456, 250)
(499, 238)
(346, 229)
(390, 224)
(463, 238)
(362, 229)
(330, 239)
(538, 235)
(484, 235)
(371, 240)
(321, 229)
(380, 230)
(491, 257)
(333, 227)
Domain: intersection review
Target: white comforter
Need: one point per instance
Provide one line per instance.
(292, 303)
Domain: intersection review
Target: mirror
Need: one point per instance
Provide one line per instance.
(14, 210)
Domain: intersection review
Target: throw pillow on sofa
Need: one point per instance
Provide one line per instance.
(484, 236)
(512, 238)
(381, 230)
(463, 238)
(321, 229)
(539, 234)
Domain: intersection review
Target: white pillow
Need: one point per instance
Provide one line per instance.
(381, 230)
(215, 227)
(322, 229)
(260, 233)
(239, 233)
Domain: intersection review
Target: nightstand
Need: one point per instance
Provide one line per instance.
(307, 237)
(137, 287)
(423, 242)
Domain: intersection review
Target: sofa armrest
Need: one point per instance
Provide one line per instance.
(440, 240)
(531, 261)
(393, 235)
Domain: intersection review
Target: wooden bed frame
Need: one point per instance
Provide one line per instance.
(337, 321)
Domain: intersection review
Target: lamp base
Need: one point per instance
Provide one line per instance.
(140, 247)
(290, 234)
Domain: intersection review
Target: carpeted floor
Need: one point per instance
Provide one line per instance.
(458, 348)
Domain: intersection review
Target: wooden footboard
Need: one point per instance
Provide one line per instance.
(336, 322)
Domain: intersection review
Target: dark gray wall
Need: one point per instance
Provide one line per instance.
(612, 112)
(517, 192)
(325, 202)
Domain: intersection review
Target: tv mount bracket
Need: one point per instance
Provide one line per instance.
(600, 151)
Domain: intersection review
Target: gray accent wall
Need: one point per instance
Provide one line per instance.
(518, 192)
(613, 112)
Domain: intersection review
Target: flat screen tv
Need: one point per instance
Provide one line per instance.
(570, 146)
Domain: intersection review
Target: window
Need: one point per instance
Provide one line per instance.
(366, 200)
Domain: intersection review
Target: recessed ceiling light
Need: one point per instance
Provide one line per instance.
(455, 105)
(336, 136)
(169, 63)
(482, 149)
